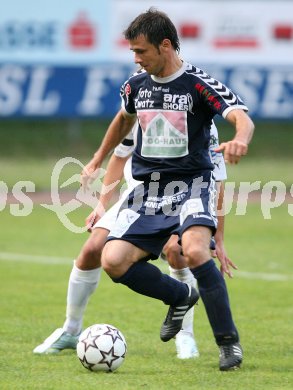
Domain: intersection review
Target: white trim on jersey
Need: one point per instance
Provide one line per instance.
(229, 109)
(123, 150)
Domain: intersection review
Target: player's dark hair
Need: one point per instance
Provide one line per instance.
(155, 26)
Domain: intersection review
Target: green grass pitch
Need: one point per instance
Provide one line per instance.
(33, 294)
(36, 254)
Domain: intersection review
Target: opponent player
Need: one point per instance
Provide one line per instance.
(85, 274)
(175, 103)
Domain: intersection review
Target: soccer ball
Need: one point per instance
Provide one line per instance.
(101, 347)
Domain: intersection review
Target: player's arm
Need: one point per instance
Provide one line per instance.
(112, 178)
(238, 146)
(220, 251)
(117, 130)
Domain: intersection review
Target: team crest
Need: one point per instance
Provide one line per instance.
(127, 89)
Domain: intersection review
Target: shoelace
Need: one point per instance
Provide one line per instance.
(227, 350)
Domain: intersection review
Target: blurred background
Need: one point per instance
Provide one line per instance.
(62, 64)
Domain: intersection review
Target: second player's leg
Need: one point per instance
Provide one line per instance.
(90, 254)
(185, 342)
(83, 281)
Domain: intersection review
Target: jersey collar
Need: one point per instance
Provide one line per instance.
(164, 80)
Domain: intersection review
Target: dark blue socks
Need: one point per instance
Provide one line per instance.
(146, 279)
(213, 291)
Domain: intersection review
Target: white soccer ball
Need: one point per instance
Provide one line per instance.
(101, 347)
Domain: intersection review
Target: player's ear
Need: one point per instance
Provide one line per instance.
(166, 44)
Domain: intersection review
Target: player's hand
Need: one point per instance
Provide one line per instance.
(90, 221)
(225, 262)
(94, 216)
(233, 150)
(88, 175)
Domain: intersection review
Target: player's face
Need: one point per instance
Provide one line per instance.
(148, 56)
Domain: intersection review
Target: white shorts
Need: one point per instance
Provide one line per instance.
(109, 218)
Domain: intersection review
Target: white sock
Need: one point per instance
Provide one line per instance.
(80, 287)
(185, 276)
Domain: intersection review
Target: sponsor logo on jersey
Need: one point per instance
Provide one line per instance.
(155, 202)
(139, 104)
(208, 95)
(178, 102)
(164, 133)
(143, 100)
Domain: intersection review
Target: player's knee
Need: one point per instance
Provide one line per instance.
(171, 250)
(196, 255)
(111, 262)
(93, 251)
(173, 254)
(90, 255)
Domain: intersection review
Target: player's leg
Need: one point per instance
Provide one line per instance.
(185, 342)
(83, 281)
(125, 263)
(213, 291)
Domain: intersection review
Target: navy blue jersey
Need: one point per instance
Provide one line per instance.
(175, 115)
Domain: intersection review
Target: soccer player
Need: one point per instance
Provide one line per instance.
(175, 103)
(85, 274)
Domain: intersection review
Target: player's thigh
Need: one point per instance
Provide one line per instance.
(195, 245)
(119, 255)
